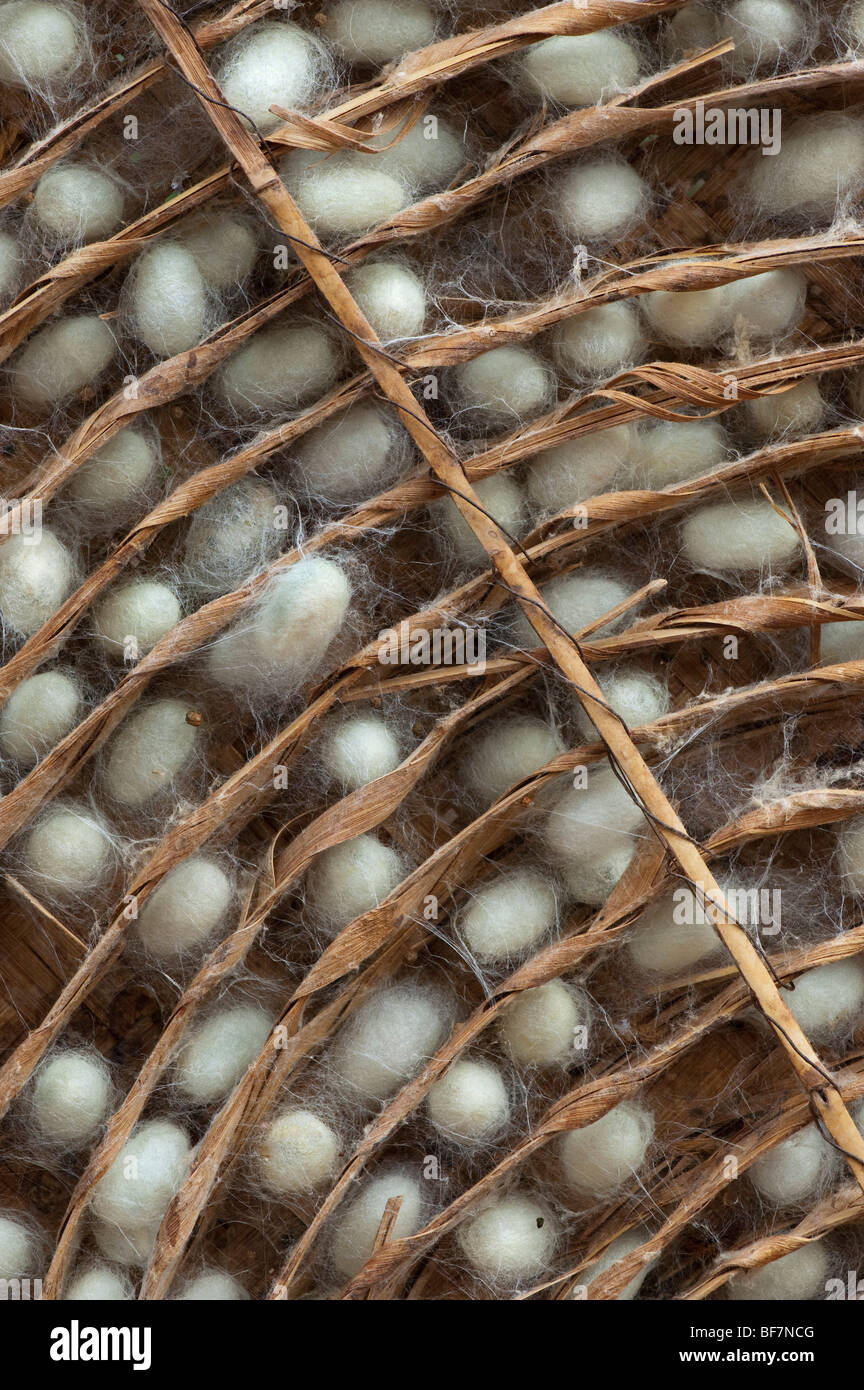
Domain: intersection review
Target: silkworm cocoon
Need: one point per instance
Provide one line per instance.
(301, 614)
(69, 849)
(636, 697)
(470, 1102)
(355, 1232)
(512, 1238)
(504, 385)
(842, 642)
(575, 600)
(508, 916)
(360, 750)
(763, 31)
(671, 451)
(281, 368)
(10, 264)
(37, 715)
(763, 306)
(592, 833)
(508, 752)
(350, 457)
(224, 247)
(795, 411)
(269, 65)
(599, 199)
(829, 999)
(342, 194)
(186, 908)
(577, 469)
(169, 300)
(624, 1245)
(126, 1245)
(38, 42)
(232, 536)
(36, 574)
(98, 1283)
(298, 1152)
(539, 1028)
(131, 618)
(820, 163)
(61, 359)
(115, 476)
(851, 845)
(692, 30)
(800, 1275)
(670, 936)
(740, 536)
(600, 342)
(70, 1097)
(152, 747)
(582, 70)
(212, 1286)
(377, 31)
(391, 296)
(428, 155)
(389, 1038)
(217, 1052)
(501, 497)
(18, 1250)
(145, 1175)
(77, 202)
(795, 1169)
(600, 1157)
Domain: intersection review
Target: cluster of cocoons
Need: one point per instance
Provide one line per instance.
(579, 468)
(508, 752)
(116, 477)
(350, 457)
(509, 916)
(18, 1248)
(666, 452)
(131, 618)
(501, 497)
(796, 1277)
(186, 908)
(151, 748)
(37, 573)
(503, 386)
(599, 1158)
(600, 342)
(377, 31)
(356, 1229)
(763, 307)
(70, 1097)
(635, 696)
(820, 164)
(389, 1038)
(794, 411)
(61, 359)
(128, 1203)
(740, 537)
(76, 202)
(581, 70)
(231, 536)
(543, 1026)
(298, 1152)
(592, 834)
(828, 1000)
(282, 367)
(511, 1239)
(796, 1169)
(69, 850)
(218, 1051)
(352, 878)
(97, 1283)
(359, 750)
(470, 1103)
(39, 43)
(272, 64)
(37, 715)
(391, 296)
(576, 601)
(599, 200)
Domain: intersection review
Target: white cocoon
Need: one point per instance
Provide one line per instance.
(577, 469)
(623, 1245)
(232, 535)
(820, 163)
(600, 342)
(126, 1245)
(600, 1157)
(429, 155)
(152, 747)
(77, 202)
(392, 297)
(795, 1277)
(508, 752)
(116, 475)
(70, 1096)
(144, 1176)
(70, 849)
(281, 368)
(504, 384)
(343, 194)
(217, 1052)
(298, 1152)
(10, 264)
(470, 1102)
(828, 1000)
(598, 200)
(360, 750)
(212, 1286)
(37, 715)
(131, 618)
(17, 1246)
(501, 497)
(389, 1038)
(582, 70)
(538, 1028)
(169, 300)
(98, 1284)
(224, 247)
(38, 42)
(795, 1169)
(377, 31)
(269, 65)
(355, 1232)
(692, 30)
(739, 537)
(36, 574)
(764, 31)
(851, 845)
(61, 359)
(575, 600)
(795, 411)
(508, 916)
(636, 697)
(671, 451)
(511, 1238)
(349, 457)
(186, 908)
(592, 833)
(664, 945)
(761, 306)
(842, 642)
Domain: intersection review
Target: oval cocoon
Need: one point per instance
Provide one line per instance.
(151, 748)
(218, 1051)
(739, 537)
(470, 1102)
(77, 202)
(389, 1038)
(38, 42)
(37, 715)
(70, 849)
(269, 65)
(280, 368)
(510, 1239)
(61, 359)
(70, 1097)
(298, 1152)
(538, 1028)
(355, 1232)
(169, 302)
